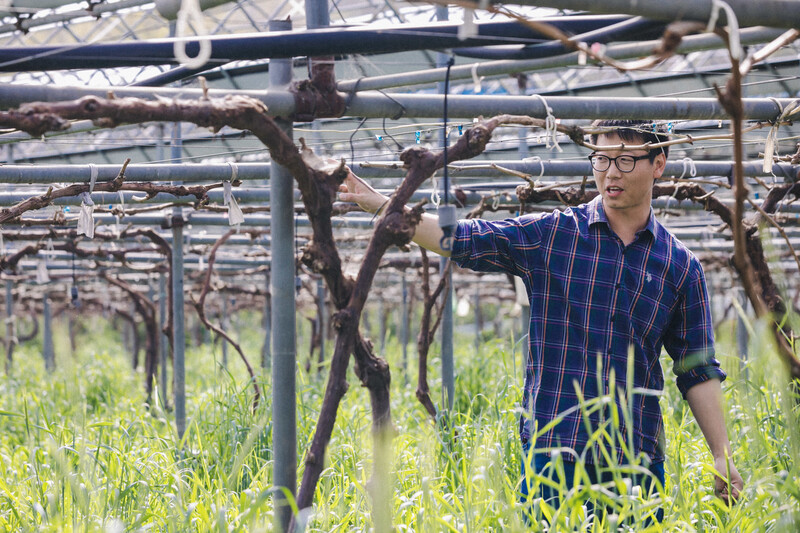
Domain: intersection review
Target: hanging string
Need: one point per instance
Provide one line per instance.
(190, 14)
(551, 127)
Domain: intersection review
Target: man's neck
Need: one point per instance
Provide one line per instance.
(627, 222)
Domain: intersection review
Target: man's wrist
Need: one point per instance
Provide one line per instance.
(381, 207)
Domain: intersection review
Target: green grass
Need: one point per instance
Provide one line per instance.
(80, 452)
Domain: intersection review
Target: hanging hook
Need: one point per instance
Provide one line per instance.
(190, 14)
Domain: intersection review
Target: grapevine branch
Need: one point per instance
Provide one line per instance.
(201, 312)
(427, 331)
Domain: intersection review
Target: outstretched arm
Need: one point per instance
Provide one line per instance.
(705, 400)
(428, 233)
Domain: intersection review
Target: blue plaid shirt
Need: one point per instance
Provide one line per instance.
(591, 299)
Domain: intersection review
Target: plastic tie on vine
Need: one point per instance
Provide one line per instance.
(42, 275)
(435, 198)
(735, 43)
(86, 215)
(121, 202)
(476, 80)
(688, 165)
(235, 215)
(536, 159)
(771, 143)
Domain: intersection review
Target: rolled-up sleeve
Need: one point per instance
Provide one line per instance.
(497, 246)
(690, 336)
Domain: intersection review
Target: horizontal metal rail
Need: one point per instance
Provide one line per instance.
(776, 13)
(209, 173)
(374, 104)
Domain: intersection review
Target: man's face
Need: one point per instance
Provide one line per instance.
(627, 190)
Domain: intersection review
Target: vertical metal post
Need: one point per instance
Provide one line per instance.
(476, 299)
(49, 351)
(317, 14)
(9, 324)
(178, 317)
(178, 325)
(163, 346)
(522, 147)
(224, 324)
(284, 355)
(382, 324)
(322, 321)
(448, 368)
(742, 335)
(266, 350)
(404, 328)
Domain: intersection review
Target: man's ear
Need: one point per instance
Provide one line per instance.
(659, 164)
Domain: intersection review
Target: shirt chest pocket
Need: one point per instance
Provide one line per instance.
(651, 307)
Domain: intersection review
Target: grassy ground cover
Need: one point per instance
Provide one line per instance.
(80, 452)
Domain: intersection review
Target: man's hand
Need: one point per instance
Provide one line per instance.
(726, 468)
(354, 189)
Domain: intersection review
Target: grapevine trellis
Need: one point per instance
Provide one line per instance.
(147, 228)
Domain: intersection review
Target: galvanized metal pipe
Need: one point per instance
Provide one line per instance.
(47, 332)
(691, 43)
(284, 353)
(448, 366)
(266, 348)
(224, 322)
(775, 13)
(404, 327)
(374, 104)
(178, 316)
(286, 45)
(9, 324)
(164, 344)
(191, 173)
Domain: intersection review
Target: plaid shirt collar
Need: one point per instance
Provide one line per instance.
(596, 213)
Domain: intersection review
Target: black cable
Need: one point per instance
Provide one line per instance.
(352, 150)
(450, 63)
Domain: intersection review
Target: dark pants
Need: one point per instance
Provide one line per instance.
(542, 465)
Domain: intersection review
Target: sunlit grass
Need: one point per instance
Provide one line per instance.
(79, 451)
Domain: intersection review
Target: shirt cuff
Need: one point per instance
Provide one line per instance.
(699, 375)
(460, 251)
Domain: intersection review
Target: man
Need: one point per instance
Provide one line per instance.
(604, 279)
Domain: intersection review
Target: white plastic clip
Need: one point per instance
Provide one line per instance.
(435, 198)
(190, 13)
(235, 215)
(551, 128)
(476, 80)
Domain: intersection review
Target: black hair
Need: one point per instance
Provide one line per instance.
(635, 132)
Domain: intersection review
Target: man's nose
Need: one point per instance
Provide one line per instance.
(613, 171)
